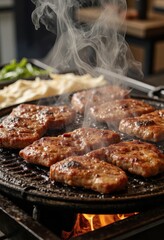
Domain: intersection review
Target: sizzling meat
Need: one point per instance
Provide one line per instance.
(55, 116)
(112, 112)
(27, 123)
(90, 173)
(148, 127)
(83, 100)
(17, 132)
(49, 150)
(134, 156)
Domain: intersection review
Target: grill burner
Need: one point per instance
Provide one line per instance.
(31, 183)
(18, 224)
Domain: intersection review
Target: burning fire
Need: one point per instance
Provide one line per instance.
(90, 222)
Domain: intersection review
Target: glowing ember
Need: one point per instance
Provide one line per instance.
(90, 222)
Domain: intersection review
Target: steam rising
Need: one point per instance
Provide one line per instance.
(102, 44)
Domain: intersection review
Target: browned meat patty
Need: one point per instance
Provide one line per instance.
(17, 132)
(27, 123)
(49, 150)
(114, 111)
(82, 101)
(17, 139)
(136, 157)
(15, 123)
(148, 127)
(55, 116)
(90, 173)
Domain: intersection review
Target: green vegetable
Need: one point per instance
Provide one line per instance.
(17, 70)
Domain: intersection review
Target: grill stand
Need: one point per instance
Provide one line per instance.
(17, 224)
(48, 223)
(143, 226)
(25, 221)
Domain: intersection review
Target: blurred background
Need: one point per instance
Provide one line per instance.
(18, 37)
(156, 7)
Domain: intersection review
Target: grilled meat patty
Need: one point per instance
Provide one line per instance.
(148, 127)
(27, 123)
(49, 150)
(82, 101)
(136, 157)
(17, 138)
(114, 111)
(90, 173)
(56, 117)
(17, 132)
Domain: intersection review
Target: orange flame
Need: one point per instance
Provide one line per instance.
(91, 222)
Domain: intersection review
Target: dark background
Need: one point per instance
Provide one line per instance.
(32, 43)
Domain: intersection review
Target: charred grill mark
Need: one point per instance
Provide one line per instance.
(124, 106)
(72, 164)
(145, 123)
(11, 122)
(47, 112)
(14, 119)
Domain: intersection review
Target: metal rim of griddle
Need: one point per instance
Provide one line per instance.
(43, 191)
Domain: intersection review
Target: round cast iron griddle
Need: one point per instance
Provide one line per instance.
(31, 182)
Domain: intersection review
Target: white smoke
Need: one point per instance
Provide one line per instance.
(83, 47)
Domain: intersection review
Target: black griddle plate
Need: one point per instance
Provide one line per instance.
(31, 182)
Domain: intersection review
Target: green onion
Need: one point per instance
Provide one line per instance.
(22, 69)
